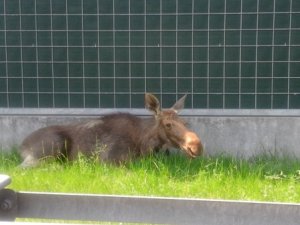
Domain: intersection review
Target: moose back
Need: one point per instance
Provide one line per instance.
(116, 138)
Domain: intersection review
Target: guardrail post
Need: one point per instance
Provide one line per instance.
(8, 200)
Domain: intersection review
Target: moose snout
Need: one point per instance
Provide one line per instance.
(192, 144)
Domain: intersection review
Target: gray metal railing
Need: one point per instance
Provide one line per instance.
(137, 209)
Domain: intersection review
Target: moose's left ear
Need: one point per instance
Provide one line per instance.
(152, 103)
(179, 104)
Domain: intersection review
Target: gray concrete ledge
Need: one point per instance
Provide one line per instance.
(241, 133)
(144, 112)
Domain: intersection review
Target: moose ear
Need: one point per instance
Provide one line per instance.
(152, 103)
(179, 104)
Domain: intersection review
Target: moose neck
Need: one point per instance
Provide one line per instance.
(150, 137)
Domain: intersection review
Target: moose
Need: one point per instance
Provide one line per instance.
(116, 137)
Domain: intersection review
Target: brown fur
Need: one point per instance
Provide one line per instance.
(115, 137)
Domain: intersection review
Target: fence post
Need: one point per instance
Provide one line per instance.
(8, 200)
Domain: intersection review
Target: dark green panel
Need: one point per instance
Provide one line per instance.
(232, 101)
(169, 69)
(46, 85)
(60, 70)
(137, 100)
(248, 53)
(152, 70)
(152, 85)
(280, 85)
(27, 22)
(59, 38)
(248, 85)
(121, 70)
(61, 100)
(90, 6)
(59, 54)
(169, 85)
(137, 85)
(122, 100)
(200, 69)
(29, 85)
(216, 85)
(107, 100)
(216, 101)
(232, 85)
(200, 101)
(3, 86)
(184, 70)
(2, 56)
(280, 101)
(92, 101)
(42, 6)
(90, 54)
(12, 22)
(137, 54)
(75, 53)
(137, 22)
(216, 69)
(184, 85)
(30, 70)
(137, 70)
(248, 101)
(230, 54)
(233, 21)
(44, 69)
(106, 69)
(217, 6)
(3, 100)
(122, 54)
(137, 6)
(91, 69)
(264, 85)
(91, 85)
(294, 101)
(2, 70)
(122, 85)
(11, 7)
(200, 85)
(233, 6)
(15, 100)
(106, 85)
(75, 69)
(46, 101)
(264, 101)
(76, 100)
(76, 85)
(153, 6)
(61, 85)
(28, 38)
(14, 70)
(152, 54)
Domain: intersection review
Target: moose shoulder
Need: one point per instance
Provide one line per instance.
(115, 137)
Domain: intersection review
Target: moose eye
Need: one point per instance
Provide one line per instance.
(168, 125)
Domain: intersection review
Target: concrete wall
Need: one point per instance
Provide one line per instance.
(236, 132)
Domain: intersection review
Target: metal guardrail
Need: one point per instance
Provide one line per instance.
(136, 209)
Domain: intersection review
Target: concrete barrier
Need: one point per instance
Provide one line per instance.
(242, 133)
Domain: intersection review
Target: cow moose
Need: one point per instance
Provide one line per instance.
(117, 137)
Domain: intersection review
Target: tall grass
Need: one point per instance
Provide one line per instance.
(264, 178)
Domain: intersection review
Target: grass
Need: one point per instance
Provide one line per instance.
(263, 178)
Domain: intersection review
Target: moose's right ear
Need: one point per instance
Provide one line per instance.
(152, 103)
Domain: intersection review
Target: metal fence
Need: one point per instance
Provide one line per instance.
(137, 209)
(106, 53)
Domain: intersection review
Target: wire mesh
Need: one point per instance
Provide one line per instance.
(107, 53)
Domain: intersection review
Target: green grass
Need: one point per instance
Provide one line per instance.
(263, 178)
